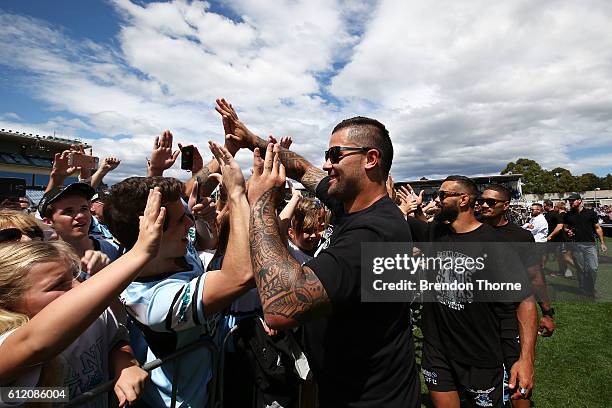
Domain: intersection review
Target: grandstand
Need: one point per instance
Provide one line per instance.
(30, 157)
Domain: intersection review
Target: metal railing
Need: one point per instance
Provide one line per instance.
(151, 365)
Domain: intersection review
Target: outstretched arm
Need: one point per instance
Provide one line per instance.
(289, 293)
(296, 167)
(52, 329)
(236, 276)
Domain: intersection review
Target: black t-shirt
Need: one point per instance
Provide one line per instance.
(553, 218)
(466, 329)
(526, 247)
(528, 250)
(362, 354)
(582, 223)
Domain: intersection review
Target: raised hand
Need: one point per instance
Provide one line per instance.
(233, 180)
(202, 208)
(151, 225)
(241, 136)
(162, 156)
(60, 167)
(409, 201)
(285, 141)
(198, 162)
(268, 175)
(110, 164)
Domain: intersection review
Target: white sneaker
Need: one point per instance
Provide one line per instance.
(568, 273)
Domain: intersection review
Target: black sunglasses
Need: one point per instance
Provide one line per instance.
(490, 201)
(15, 234)
(333, 154)
(443, 194)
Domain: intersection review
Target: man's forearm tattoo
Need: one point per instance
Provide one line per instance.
(285, 288)
(296, 167)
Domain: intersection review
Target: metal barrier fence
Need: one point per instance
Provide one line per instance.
(215, 396)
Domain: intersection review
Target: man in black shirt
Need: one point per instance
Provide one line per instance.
(494, 203)
(555, 236)
(581, 225)
(462, 350)
(361, 353)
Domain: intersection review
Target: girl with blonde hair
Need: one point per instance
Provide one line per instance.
(45, 318)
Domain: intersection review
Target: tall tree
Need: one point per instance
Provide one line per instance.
(588, 181)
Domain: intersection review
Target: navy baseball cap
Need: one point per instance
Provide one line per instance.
(56, 193)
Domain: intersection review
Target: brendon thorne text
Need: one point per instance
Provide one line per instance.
(449, 272)
(425, 285)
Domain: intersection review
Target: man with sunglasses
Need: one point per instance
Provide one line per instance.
(462, 352)
(582, 225)
(362, 354)
(494, 203)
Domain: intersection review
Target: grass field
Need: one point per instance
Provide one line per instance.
(574, 366)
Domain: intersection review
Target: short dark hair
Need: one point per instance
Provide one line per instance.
(537, 205)
(503, 190)
(127, 201)
(369, 132)
(467, 184)
(548, 202)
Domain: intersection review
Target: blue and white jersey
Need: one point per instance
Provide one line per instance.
(169, 308)
(99, 230)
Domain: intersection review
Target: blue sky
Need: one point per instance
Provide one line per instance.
(464, 87)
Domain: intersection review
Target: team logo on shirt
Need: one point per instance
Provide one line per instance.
(448, 273)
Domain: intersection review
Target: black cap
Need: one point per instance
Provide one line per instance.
(574, 196)
(58, 192)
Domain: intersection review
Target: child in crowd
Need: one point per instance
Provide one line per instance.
(55, 332)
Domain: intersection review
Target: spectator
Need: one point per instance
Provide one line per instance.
(19, 226)
(537, 224)
(67, 336)
(353, 366)
(174, 302)
(581, 226)
(67, 210)
(98, 227)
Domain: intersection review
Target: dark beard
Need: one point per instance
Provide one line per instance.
(448, 214)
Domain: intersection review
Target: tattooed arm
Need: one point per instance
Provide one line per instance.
(289, 293)
(296, 167)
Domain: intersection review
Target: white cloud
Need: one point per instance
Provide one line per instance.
(464, 87)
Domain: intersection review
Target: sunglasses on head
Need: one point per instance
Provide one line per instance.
(15, 234)
(490, 201)
(334, 156)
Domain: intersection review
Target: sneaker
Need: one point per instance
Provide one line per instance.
(568, 273)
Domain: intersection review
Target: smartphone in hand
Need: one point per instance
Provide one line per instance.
(83, 161)
(187, 158)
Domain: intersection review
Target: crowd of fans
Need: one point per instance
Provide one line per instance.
(97, 282)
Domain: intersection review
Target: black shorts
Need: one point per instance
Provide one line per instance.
(511, 350)
(483, 387)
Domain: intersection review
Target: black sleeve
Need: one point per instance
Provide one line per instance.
(530, 253)
(420, 230)
(339, 266)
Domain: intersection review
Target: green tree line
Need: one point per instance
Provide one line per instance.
(558, 180)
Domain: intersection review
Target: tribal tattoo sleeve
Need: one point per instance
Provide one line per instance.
(297, 167)
(289, 292)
